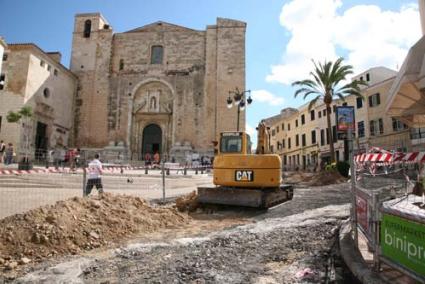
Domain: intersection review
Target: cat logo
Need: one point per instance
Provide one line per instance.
(244, 175)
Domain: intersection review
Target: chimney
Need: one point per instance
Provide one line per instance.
(422, 14)
(57, 56)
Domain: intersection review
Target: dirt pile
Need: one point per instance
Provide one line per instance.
(297, 177)
(326, 178)
(78, 224)
(314, 179)
(188, 203)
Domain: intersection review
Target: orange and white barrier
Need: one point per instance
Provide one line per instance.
(413, 157)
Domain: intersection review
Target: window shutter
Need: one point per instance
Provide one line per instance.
(370, 101)
(378, 99)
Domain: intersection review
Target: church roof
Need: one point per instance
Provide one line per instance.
(36, 48)
(160, 26)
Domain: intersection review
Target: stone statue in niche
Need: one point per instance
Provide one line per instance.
(153, 98)
(153, 103)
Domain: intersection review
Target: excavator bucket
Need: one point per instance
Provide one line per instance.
(247, 197)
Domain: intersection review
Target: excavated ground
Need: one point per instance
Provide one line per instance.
(78, 224)
(291, 243)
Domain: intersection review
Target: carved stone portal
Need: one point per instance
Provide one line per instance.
(152, 105)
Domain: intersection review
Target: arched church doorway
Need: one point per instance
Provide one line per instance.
(151, 140)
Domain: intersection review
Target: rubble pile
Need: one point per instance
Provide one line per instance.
(188, 203)
(78, 224)
(326, 178)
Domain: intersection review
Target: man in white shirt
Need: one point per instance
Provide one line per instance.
(2, 150)
(93, 178)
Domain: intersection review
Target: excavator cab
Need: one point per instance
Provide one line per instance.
(234, 143)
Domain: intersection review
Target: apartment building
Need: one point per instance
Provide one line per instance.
(301, 138)
(3, 46)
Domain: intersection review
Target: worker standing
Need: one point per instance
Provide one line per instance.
(94, 179)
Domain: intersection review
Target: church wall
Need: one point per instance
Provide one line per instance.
(183, 69)
(198, 69)
(230, 71)
(90, 61)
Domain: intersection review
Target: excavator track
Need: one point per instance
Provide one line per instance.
(248, 197)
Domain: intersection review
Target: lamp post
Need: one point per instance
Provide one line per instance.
(240, 101)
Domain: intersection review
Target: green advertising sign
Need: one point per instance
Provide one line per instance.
(403, 242)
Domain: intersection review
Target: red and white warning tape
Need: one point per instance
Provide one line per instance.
(79, 170)
(413, 157)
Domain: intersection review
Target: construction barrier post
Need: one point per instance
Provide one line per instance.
(353, 188)
(168, 172)
(163, 182)
(196, 171)
(146, 171)
(84, 180)
(185, 171)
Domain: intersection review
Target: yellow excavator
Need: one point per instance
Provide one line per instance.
(245, 179)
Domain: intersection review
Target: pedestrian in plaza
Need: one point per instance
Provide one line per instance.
(57, 157)
(63, 157)
(71, 156)
(66, 156)
(147, 159)
(2, 150)
(77, 157)
(156, 158)
(50, 158)
(9, 154)
(94, 179)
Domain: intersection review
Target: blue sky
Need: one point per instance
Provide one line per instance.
(282, 36)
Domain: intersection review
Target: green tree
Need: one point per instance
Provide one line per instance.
(24, 115)
(325, 84)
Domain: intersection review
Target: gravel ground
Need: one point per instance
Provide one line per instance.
(292, 243)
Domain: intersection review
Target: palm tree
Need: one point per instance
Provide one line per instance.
(325, 85)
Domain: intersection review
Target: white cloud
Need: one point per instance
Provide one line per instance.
(252, 132)
(264, 96)
(366, 34)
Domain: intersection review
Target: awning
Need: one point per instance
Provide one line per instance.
(406, 98)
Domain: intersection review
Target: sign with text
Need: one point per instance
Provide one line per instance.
(403, 242)
(344, 120)
(362, 209)
(244, 175)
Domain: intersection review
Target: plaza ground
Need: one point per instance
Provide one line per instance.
(291, 243)
(23, 192)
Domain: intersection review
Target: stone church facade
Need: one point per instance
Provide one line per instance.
(158, 88)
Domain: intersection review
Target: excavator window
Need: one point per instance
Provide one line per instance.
(231, 144)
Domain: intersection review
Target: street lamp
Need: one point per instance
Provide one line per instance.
(240, 100)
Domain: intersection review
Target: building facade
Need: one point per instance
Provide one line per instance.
(36, 79)
(301, 138)
(3, 46)
(158, 88)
